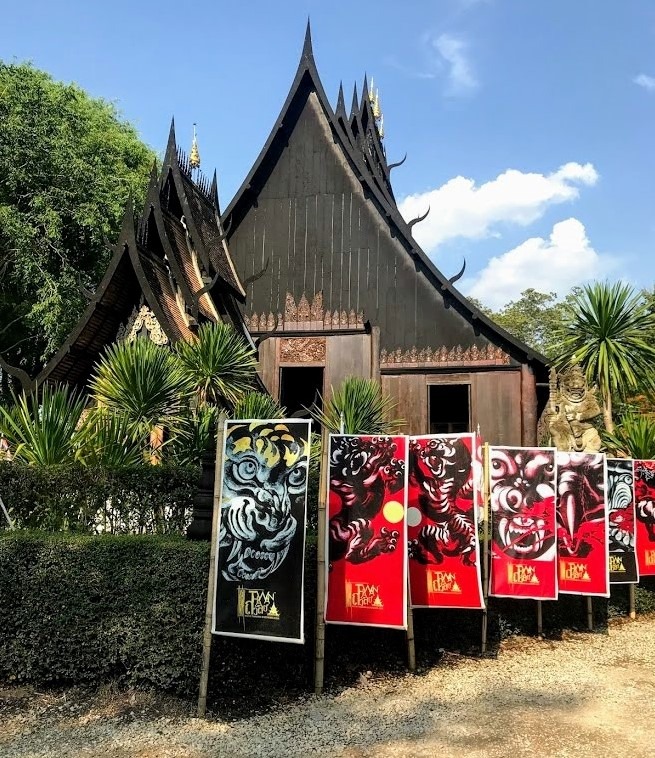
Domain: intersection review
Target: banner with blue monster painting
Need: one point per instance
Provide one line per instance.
(261, 545)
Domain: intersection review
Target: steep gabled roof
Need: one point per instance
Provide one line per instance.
(347, 134)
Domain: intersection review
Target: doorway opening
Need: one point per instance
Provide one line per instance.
(300, 388)
(449, 408)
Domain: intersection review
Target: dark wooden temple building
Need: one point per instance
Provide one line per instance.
(337, 285)
(170, 272)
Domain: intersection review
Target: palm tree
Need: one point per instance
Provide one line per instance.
(220, 364)
(609, 333)
(43, 428)
(360, 407)
(145, 384)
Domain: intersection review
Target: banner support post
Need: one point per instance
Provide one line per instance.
(209, 608)
(319, 655)
(540, 619)
(590, 614)
(486, 495)
(631, 596)
(411, 649)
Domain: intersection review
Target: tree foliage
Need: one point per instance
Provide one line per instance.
(68, 163)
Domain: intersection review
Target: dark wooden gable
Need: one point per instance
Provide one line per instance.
(316, 217)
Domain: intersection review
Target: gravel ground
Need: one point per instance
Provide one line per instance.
(586, 695)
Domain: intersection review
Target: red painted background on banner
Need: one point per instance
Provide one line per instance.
(523, 550)
(367, 531)
(645, 512)
(582, 524)
(444, 555)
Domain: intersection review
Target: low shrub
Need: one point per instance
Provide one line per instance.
(140, 499)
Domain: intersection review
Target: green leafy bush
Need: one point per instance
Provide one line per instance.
(138, 499)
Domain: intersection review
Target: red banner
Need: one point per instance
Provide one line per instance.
(367, 531)
(442, 517)
(582, 524)
(523, 550)
(645, 512)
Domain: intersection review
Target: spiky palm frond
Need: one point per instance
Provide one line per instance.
(42, 428)
(257, 405)
(143, 383)
(362, 406)
(108, 439)
(220, 364)
(609, 333)
(634, 437)
(192, 436)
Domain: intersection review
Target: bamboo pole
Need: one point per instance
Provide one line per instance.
(590, 614)
(632, 601)
(209, 608)
(411, 649)
(486, 494)
(319, 659)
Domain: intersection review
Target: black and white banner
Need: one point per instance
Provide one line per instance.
(261, 546)
(621, 504)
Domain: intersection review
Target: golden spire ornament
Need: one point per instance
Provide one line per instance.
(194, 155)
(377, 112)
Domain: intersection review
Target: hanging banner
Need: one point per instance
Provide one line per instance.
(261, 551)
(366, 581)
(621, 505)
(645, 516)
(523, 549)
(442, 518)
(582, 524)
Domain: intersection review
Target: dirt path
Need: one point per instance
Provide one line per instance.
(588, 695)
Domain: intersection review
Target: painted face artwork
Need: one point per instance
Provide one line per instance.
(621, 522)
(265, 470)
(522, 488)
(644, 473)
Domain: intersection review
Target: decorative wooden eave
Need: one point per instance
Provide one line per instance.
(305, 317)
(429, 359)
(176, 164)
(372, 138)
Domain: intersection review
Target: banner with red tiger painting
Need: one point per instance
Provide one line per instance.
(645, 512)
(523, 550)
(582, 524)
(366, 582)
(442, 518)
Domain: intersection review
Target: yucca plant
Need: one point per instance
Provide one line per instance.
(362, 407)
(608, 332)
(143, 383)
(192, 436)
(108, 439)
(42, 428)
(633, 437)
(256, 405)
(220, 364)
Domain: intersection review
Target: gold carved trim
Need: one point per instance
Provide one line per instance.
(490, 355)
(304, 316)
(302, 350)
(142, 318)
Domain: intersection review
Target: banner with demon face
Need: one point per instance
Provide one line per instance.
(621, 505)
(582, 524)
(442, 517)
(645, 512)
(261, 551)
(367, 531)
(523, 550)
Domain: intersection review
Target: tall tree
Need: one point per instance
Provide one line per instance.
(607, 332)
(67, 166)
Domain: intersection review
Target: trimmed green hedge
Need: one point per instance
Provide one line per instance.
(143, 499)
(84, 609)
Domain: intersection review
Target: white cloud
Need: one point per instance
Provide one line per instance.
(556, 264)
(460, 208)
(645, 81)
(453, 54)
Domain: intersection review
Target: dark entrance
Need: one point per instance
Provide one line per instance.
(300, 388)
(449, 408)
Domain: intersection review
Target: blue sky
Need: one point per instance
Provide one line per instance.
(528, 123)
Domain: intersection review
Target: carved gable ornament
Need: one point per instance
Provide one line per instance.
(142, 320)
(304, 316)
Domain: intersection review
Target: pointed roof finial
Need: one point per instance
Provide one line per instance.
(371, 90)
(341, 104)
(381, 126)
(194, 155)
(354, 108)
(307, 51)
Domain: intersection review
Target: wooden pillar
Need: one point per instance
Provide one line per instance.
(528, 407)
(375, 353)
